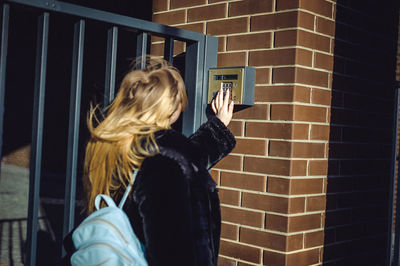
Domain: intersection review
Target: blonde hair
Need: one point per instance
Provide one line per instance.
(120, 142)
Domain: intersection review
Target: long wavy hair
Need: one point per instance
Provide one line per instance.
(124, 137)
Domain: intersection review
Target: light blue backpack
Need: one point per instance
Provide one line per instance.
(106, 237)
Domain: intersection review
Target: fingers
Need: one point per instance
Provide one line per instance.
(226, 99)
(230, 109)
(220, 98)
(214, 108)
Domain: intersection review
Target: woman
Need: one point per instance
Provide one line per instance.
(174, 206)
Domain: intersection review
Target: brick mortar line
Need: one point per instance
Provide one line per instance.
(278, 157)
(266, 31)
(280, 176)
(297, 103)
(298, 250)
(192, 7)
(261, 67)
(271, 30)
(300, 66)
(290, 121)
(291, 140)
(275, 176)
(314, 58)
(270, 249)
(236, 260)
(273, 49)
(239, 172)
(274, 231)
(311, 13)
(274, 5)
(294, 102)
(284, 121)
(308, 86)
(289, 215)
(286, 196)
(254, 138)
(273, 12)
(282, 157)
(259, 229)
(300, 84)
(298, 158)
(303, 249)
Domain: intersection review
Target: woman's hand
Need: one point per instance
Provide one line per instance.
(222, 108)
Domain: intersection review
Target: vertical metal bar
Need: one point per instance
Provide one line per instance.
(37, 136)
(393, 257)
(73, 128)
(141, 50)
(112, 41)
(169, 49)
(210, 61)
(3, 64)
(194, 61)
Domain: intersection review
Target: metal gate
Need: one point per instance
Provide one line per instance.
(200, 55)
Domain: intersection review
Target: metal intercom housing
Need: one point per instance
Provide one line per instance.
(239, 80)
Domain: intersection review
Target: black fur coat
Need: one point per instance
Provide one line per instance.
(175, 208)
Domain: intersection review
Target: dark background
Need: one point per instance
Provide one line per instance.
(19, 96)
(361, 133)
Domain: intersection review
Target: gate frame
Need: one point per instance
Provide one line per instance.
(201, 55)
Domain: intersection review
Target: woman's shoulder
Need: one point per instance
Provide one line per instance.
(174, 145)
(173, 159)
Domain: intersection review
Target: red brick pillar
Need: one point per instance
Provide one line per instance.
(273, 185)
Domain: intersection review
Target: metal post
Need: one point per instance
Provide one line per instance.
(393, 258)
(37, 136)
(73, 128)
(210, 61)
(141, 50)
(112, 44)
(169, 49)
(193, 80)
(3, 64)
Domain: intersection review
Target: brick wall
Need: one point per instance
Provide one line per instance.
(18, 157)
(361, 130)
(272, 186)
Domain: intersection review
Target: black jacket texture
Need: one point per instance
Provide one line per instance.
(174, 209)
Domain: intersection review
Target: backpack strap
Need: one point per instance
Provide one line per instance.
(110, 202)
(128, 189)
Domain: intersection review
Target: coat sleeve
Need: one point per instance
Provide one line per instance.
(213, 141)
(164, 206)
